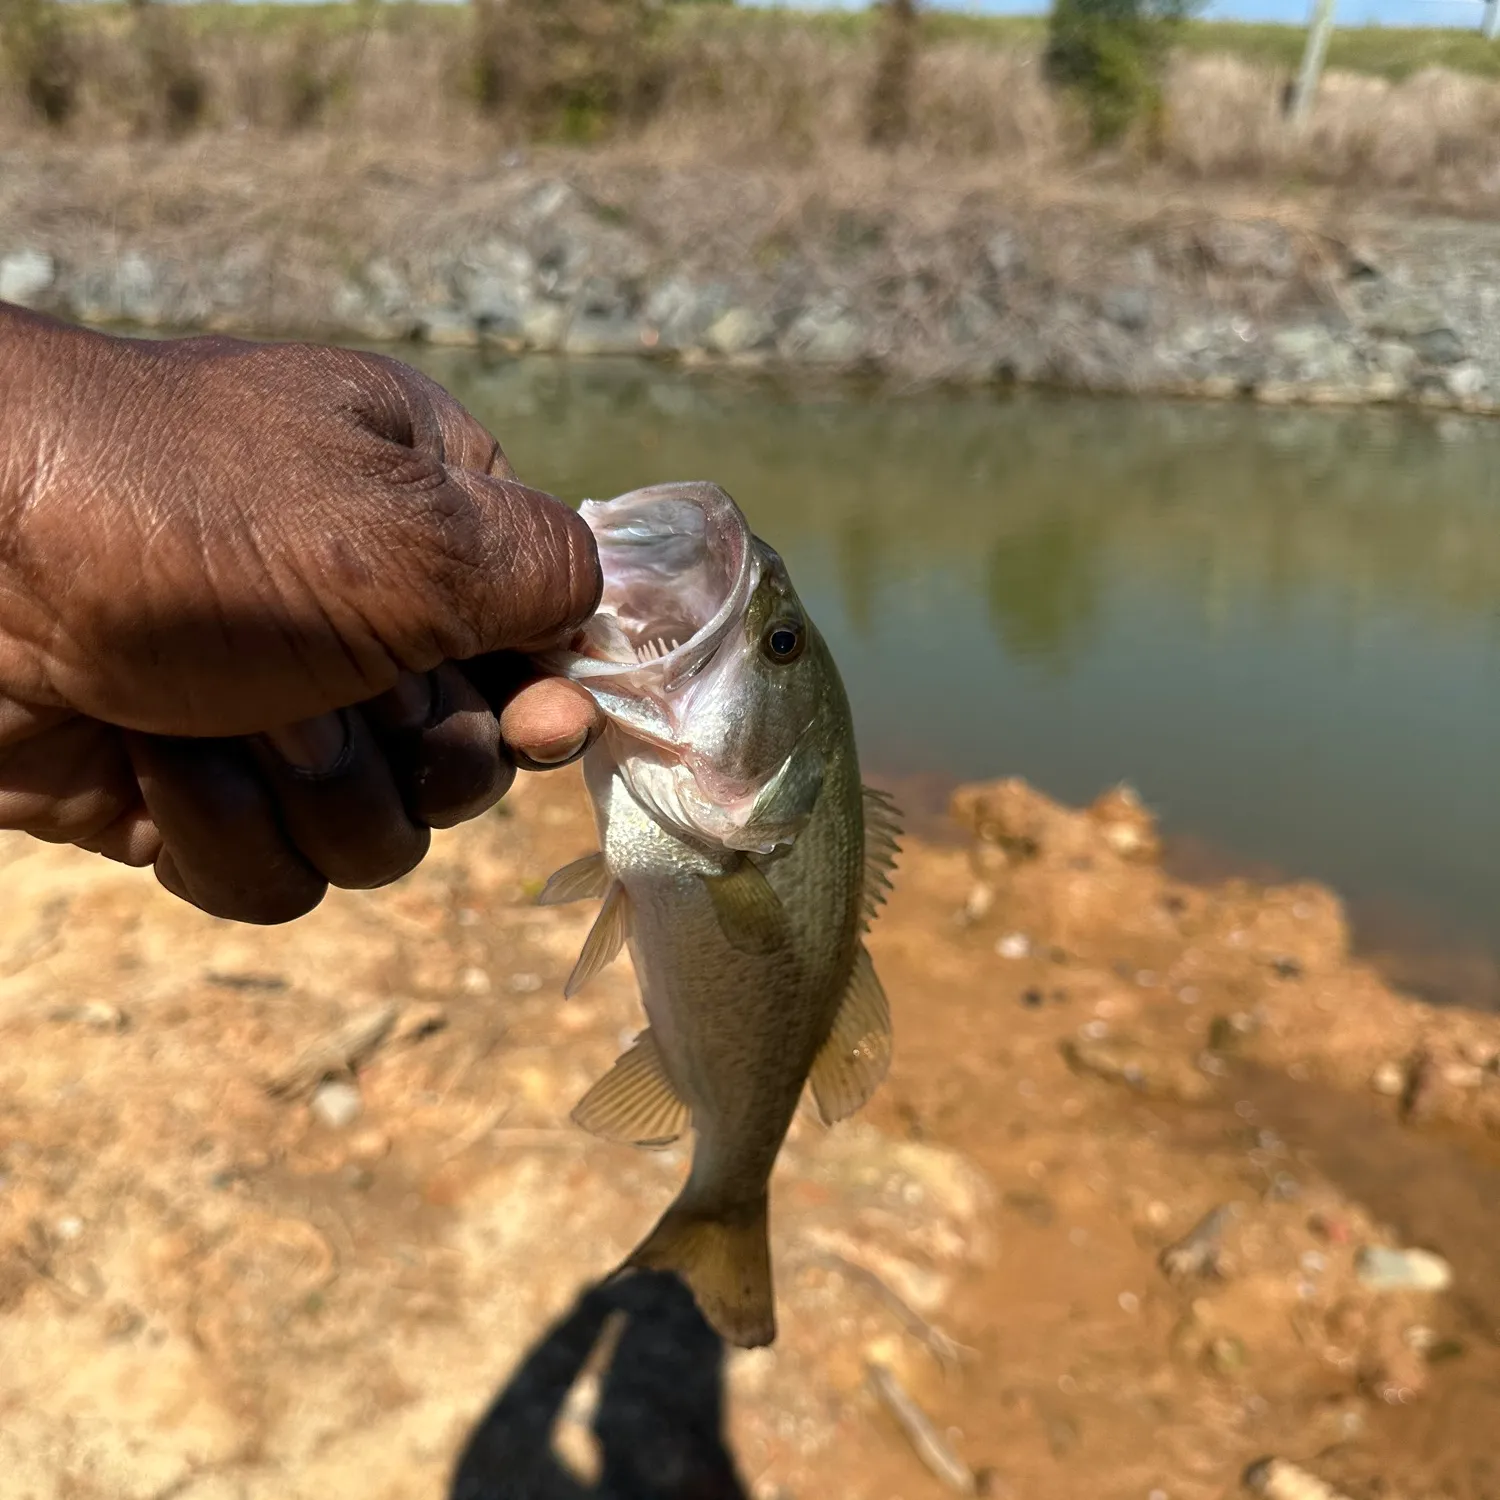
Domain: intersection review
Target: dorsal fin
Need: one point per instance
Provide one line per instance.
(857, 1053)
(635, 1101)
(606, 938)
(882, 844)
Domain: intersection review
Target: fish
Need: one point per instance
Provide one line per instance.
(741, 861)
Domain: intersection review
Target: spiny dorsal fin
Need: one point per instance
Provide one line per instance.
(750, 913)
(882, 835)
(634, 1102)
(578, 881)
(606, 938)
(858, 1051)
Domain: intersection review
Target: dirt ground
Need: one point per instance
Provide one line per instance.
(215, 1285)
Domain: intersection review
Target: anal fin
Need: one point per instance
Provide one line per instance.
(857, 1054)
(606, 938)
(635, 1101)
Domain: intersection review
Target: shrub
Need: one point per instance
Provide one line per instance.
(39, 50)
(1111, 54)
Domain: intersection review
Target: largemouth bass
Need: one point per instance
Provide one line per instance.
(740, 860)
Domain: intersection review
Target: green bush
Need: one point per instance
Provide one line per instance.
(39, 51)
(1110, 54)
(569, 69)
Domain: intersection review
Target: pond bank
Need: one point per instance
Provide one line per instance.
(1137, 1207)
(893, 273)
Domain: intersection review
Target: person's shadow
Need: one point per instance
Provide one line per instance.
(659, 1424)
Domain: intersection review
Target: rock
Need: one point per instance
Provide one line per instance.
(1161, 1075)
(681, 312)
(739, 331)
(495, 284)
(1127, 307)
(1003, 255)
(1465, 380)
(1439, 346)
(604, 334)
(336, 1103)
(1279, 1480)
(972, 320)
(1385, 1270)
(1315, 353)
(1405, 316)
(1395, 358)
(447, 326)
(545, 326)
(1126, 825)
(825, 333)
(1014, 945)
(1249, 247)
(25, 275)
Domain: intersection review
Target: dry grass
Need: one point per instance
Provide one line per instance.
(714, 88)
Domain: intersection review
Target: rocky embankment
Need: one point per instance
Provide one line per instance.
(1201, 302)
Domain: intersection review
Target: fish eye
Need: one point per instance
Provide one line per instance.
(783, 641)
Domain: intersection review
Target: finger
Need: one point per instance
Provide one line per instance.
(132, 839)
(223, 848)
(339, 802)
(63, 779)
(549, 722)
(527, 571)
(545, 722)
(443, 745)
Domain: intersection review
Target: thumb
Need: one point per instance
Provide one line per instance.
(505, 567)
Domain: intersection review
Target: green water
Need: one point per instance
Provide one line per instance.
(1283, 627)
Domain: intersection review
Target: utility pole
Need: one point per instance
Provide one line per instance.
(1318, 32)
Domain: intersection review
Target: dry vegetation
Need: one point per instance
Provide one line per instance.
(701, 82)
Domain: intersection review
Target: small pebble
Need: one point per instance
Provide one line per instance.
(1013, 945)
(1389, 1079)
(474, 982)
(336, 1104)
(524, 984)
(1386, 1270)
(1129, 1302)
(69, 1228)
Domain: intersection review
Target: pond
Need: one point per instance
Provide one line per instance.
(1281, 626)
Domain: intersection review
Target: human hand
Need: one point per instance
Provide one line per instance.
(264, 610)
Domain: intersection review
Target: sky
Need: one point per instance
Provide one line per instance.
(1349, 13)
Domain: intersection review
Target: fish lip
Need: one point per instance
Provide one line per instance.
(667, 673)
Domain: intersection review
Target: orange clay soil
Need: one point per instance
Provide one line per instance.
(209, 1290)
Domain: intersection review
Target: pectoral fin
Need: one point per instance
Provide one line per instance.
(606, 938)
(584, 878)
(749, 912)
(857, 1053)
(634, 1102)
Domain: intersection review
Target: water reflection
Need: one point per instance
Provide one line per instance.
(1281, 625)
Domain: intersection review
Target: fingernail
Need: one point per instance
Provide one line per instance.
(412, 698)
(558, 750)
(313, 745)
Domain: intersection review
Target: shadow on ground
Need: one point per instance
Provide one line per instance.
(659, 1423)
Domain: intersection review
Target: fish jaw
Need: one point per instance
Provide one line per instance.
(666, 659)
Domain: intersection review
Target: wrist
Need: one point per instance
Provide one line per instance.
(50, 383)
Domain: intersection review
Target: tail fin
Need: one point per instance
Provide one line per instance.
(724, 1256)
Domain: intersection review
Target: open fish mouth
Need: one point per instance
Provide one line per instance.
(679, 570)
